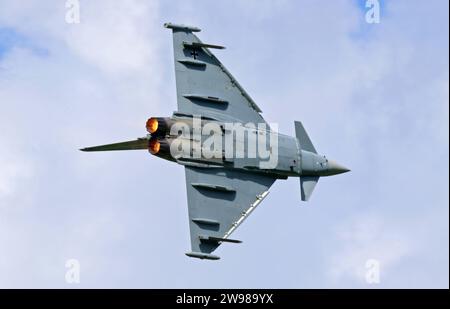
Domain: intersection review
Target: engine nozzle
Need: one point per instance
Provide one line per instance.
(154, 146)
(159, 146)
(152, 125)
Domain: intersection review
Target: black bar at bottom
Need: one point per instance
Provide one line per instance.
(211, 298)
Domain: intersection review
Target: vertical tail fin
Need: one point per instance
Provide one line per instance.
(140, 143)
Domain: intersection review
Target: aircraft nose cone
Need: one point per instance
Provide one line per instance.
(335, 168)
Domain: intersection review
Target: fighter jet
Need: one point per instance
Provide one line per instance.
(231, 155)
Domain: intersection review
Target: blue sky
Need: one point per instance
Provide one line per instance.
(373, 97)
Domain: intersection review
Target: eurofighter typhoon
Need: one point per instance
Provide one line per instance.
(231, 156)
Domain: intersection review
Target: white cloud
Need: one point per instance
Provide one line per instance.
(78, 93)
(364, 238)
(14, 170)
(118, 37)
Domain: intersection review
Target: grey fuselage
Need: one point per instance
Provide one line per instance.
(290, 159)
